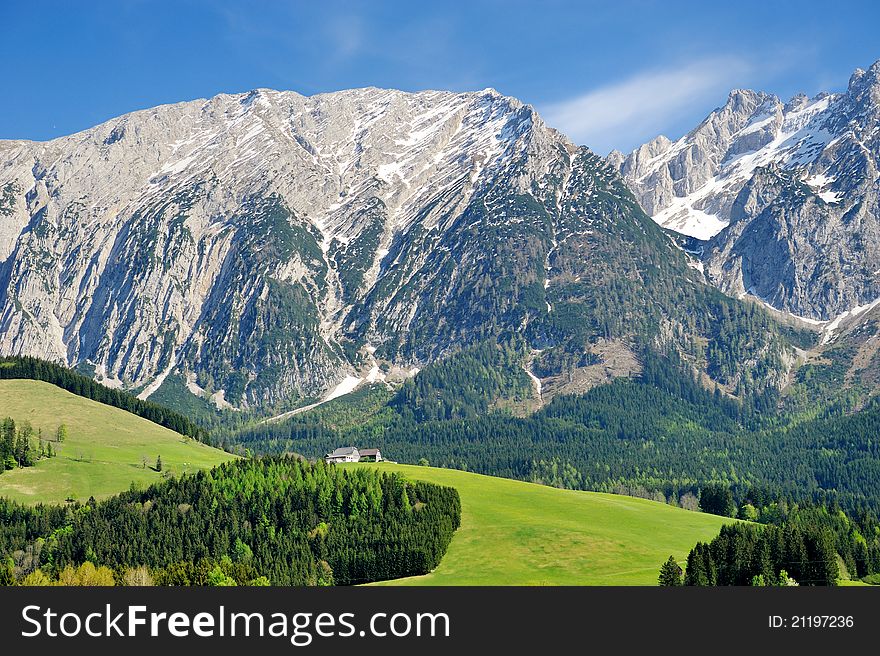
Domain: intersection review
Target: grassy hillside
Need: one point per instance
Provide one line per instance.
(516, 533)
(104, 451)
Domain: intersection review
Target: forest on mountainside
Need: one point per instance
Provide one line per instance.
(659, 435)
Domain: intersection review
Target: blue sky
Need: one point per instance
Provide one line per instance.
(610, 74)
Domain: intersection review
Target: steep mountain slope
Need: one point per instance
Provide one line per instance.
(844, 366)
(787, 195)
(265, 247)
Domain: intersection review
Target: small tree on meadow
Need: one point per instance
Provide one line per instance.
(670, 573)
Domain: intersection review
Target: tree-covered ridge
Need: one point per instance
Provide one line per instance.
(467, 384)
(662, 434)
(36, 369)
(638, 287)
(562, 268)
(279, 517)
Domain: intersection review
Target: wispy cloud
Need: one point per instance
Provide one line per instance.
(627, 113)
(345, 35)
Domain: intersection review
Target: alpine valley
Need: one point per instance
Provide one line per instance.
(446, 278)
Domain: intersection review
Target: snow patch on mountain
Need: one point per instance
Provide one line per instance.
(784, 195)
(688, 185)
(536, 382)
(828, 332)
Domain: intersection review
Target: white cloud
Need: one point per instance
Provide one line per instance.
(346, 36)
(630, 112)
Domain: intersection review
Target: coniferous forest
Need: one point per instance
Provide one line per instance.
(267, 521)
(20, 446)
(661, 435)
(782, 545)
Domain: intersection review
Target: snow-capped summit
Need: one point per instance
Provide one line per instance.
(689, 185)
(786, 192)
(252, 243)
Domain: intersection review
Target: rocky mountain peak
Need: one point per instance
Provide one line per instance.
(797, 102)
(802, 174)
(864, 87)
(855, 78)
(253, 244)
(745, 101)
(865, 80)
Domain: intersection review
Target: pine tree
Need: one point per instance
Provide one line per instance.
(717, 499)
(696, 568)
(159, 464)
(670, 573)
(795, 556)
(822, 555)
(8, 444)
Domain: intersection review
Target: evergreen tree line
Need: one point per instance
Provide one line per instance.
(36, 369)
(17, 447)
(789, 544)
(280, 518)
(749, 554)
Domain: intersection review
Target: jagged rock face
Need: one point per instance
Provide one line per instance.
(787, 195)
(233, 237)
(677, 182)
(268, 244)
(796, 251)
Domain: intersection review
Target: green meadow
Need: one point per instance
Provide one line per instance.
(105, 451)
(516, 533)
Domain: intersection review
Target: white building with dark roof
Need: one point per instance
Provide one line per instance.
(344, 454)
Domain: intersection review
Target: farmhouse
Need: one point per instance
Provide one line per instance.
(344, 454)
(353, 454)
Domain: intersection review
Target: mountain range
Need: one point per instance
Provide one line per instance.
(782, 198)
(267, 249)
